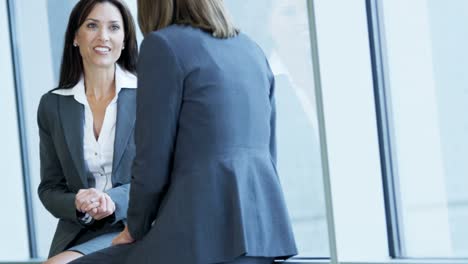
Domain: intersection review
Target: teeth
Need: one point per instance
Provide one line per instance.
(102, 49)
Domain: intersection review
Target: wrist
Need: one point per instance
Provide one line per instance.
(84, 218)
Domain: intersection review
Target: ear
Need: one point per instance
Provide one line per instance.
(75, 40)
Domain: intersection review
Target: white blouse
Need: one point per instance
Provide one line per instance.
(98, 154)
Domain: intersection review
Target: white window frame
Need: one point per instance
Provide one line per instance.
(353, 181)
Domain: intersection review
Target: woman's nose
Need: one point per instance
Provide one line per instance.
(103, 35)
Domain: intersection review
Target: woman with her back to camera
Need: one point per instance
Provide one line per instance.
(86, 130)
(204, 184)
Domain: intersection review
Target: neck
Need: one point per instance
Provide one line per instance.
(99, 82)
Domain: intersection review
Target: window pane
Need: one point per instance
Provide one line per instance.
(427, 54)
(282, 30)
(13, 225)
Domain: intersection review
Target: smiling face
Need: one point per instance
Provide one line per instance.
(100, 38)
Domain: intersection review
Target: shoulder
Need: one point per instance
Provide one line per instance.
(128, 95)
(178, 32)
(47, 106)
(255, 51)
(48, 100)
(250, 44)
(161, 41)
(164, 47)
(175, 37)
(155, 44)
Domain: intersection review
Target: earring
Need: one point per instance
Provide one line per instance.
(75, 44)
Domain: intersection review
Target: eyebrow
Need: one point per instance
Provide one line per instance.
(97, 20)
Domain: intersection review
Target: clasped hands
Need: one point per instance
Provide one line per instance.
(99, 205)
(96, 203)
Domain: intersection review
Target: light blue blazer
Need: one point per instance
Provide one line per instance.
(63, 169)
(205, 187)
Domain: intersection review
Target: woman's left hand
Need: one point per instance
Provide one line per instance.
(123, 238)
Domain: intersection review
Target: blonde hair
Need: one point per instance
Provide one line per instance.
(208, 15)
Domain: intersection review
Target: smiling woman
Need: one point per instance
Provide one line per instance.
(98, 36)
(92, 24)
(84, 175)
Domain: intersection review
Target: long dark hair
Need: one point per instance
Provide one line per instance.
(71, 68)
(208, 15)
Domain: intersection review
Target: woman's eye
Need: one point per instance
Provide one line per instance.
(91, 25)
(115, 27)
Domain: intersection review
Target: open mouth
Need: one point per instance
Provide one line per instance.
(102, 49)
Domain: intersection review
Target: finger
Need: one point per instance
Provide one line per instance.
(103, 212)
(90, 213)
(92, 206)
(96, 214)
(80, 203)
(79, 200)
(104, 204)
(84, 200)
(89, 194)
(99, 216)
(89, 199)
(110, 205)
(82, 193)
(84, 205)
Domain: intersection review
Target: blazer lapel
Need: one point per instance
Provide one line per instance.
(72, 117)
(124, 126)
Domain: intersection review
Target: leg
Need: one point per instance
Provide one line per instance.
(64, 257)
(111, 255)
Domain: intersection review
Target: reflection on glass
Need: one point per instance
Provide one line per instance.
(281, 28)
(427, 59)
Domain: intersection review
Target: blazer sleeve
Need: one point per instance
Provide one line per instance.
(53, 191)
(159, 96)
(120, 197)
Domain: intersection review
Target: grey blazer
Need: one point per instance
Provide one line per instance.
(205, 187)
(63, 169)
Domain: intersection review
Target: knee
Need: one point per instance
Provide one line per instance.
(63, 258)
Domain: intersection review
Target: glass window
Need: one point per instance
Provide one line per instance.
(426, 58)
(281, 28)
(13, 226)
